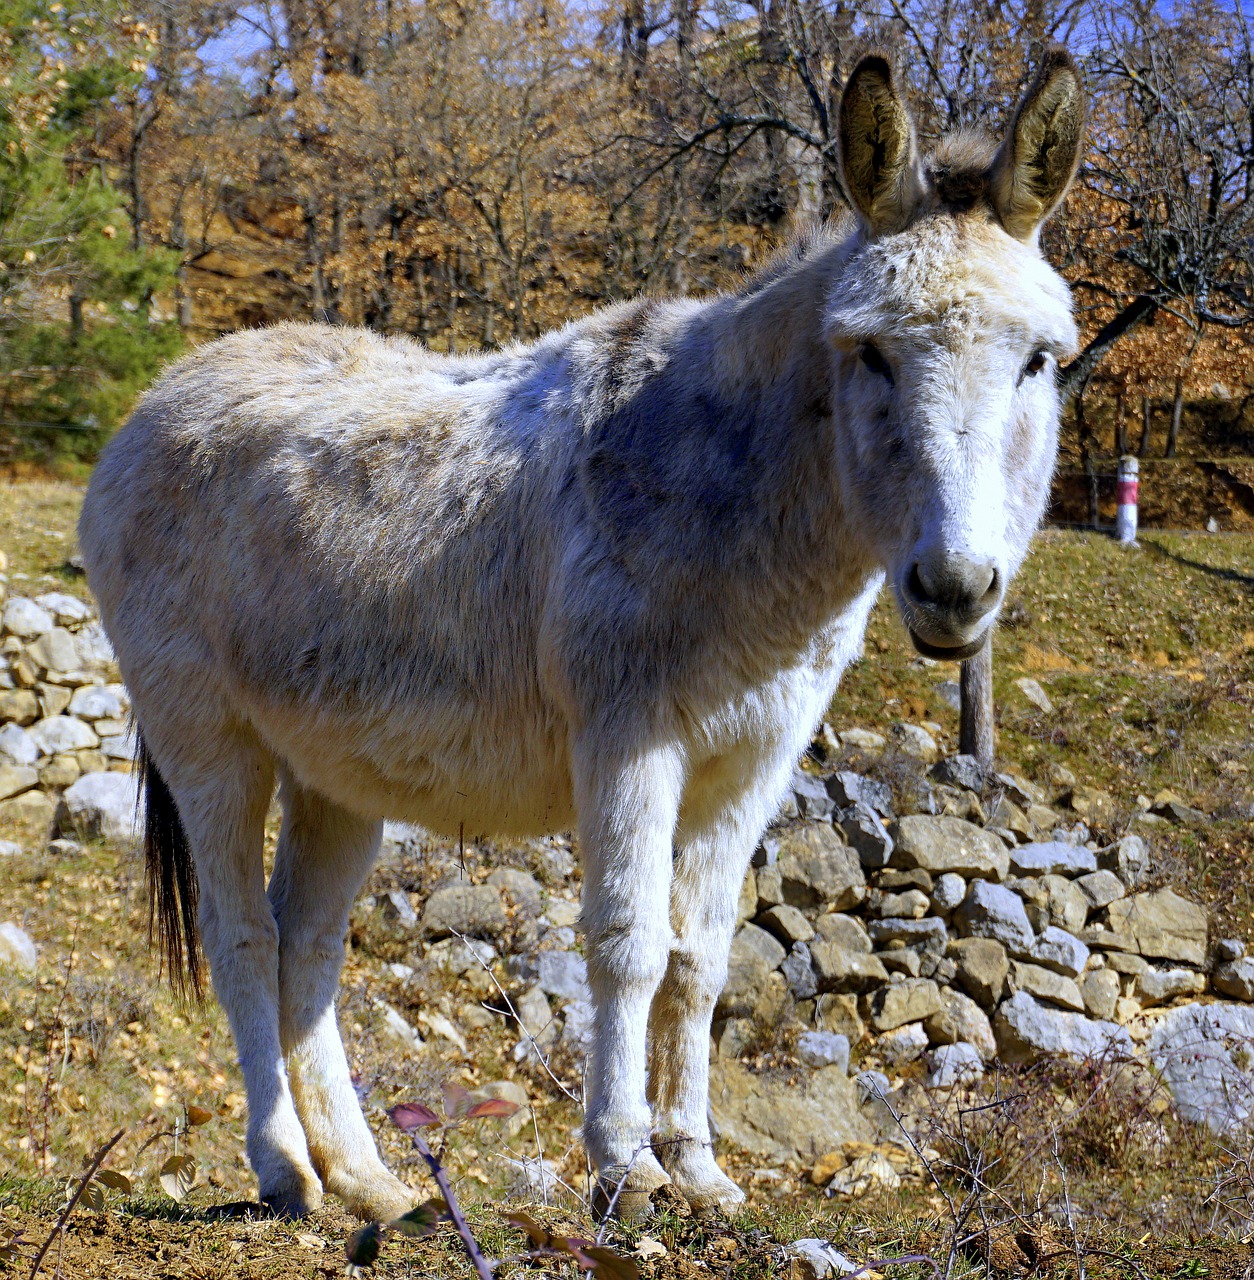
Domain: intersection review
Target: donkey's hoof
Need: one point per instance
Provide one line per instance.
(294, 1194)
(380, 1198)
(715, 1194)
(295, 1202)
(624, 1192)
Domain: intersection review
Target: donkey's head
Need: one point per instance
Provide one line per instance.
(947, 325)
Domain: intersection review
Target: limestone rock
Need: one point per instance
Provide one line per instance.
(754, 954)
(954, 1064)
(811, 796)
(54, 650)
(103, 805)
(564, 975)
(786, 1120)
(1052, 858)
(1046, 985)
(1235, 978)
(848, 790)
(946, 844)
(65, 608)
(14, 779)
(983, 968)
(1067, 905)
(1160, 986)
(17, 950)
(824, 1049)
(787, 924)
(520, 890)
(836, 968)
(816, 868)
(18, 706)
(913, 904)
(1161, 924)
(475, 910)
(867, 835)
(960, 771)
(948, 893)
(798, 970)
(17, 747)
(1100, 989)
(929, 935)
(56, 734)
(911, 1000)
(1060, 951)
(24, 618)
(31, 808)
(1100, 889)
(1026, 1029)
(993, 911)
(1204, 1053)
(959, 1020)
(912, 740)
(1127, 858)
(902, 1044)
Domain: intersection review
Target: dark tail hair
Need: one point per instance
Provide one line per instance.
(172, 886)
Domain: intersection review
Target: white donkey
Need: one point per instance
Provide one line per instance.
(608, 580)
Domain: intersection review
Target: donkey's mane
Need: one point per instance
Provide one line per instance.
(958, 173)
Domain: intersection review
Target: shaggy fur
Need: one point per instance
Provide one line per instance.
(608, 580)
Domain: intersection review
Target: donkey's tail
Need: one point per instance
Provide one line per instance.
(172, 886)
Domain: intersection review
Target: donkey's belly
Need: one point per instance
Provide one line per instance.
(496, 779)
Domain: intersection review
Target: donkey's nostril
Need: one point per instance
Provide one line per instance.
(915, 585)
(993, 590)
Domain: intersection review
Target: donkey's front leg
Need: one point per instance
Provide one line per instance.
(627, 811)
(714, 846)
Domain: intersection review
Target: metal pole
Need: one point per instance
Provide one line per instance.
(1126, 499)
(975, 719)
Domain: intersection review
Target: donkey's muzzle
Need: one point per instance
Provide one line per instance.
(947, 599)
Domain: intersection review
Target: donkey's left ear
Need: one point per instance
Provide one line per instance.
(879, 160)
(1035, 165)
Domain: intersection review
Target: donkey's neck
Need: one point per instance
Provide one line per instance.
(711, 453)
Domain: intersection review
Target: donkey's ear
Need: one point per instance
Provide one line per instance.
(878, 158)
(1035, 165)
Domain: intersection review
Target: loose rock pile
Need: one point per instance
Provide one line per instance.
(979, 919)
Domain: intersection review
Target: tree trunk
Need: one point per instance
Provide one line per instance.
(975, 729)
(1147, 427)
(1177, 412)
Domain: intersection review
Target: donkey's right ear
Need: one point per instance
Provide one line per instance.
(1035, 165)
(879, 160)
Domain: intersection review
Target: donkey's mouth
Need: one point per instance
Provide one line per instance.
(945, 653)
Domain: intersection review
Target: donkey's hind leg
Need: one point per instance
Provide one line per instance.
(323, 856)
(222, 803)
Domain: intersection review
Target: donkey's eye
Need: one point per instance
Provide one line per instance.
(1035, 365)
(873, 358)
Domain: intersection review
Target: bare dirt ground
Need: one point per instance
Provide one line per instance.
(1148, 657)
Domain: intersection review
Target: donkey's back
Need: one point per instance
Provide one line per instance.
(323, 519)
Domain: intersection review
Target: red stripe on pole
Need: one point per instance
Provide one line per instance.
(1125, 493)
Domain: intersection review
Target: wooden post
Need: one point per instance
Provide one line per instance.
(975, 719)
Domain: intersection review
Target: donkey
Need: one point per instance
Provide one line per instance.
(608, 580)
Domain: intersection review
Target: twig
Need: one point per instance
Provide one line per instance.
(509, 1004)
(876, 1263)
(97, 1161)
(481, 1264)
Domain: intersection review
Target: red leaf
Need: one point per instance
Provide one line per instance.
(610, 1265)
(408, 1116)
(491, 1109)
(539, 1236)
(456, 1099)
